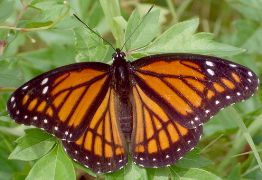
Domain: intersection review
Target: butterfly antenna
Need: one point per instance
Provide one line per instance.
(137, 27)
(93, 31)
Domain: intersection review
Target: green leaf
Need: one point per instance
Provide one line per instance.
(159, 173)
(195, 173)
(7, 167)
(49, 10)
(90, 47)
(235, 174)
(111, 10)
(6, 9)
(33, 145)
(57, 37)
(181, 38)
(248, 36)
(38, 24)
(193, 159)
(131, 171)
(223, 121)
(120, 21)
(16, 41)
(7, 76)
(141, 33)
(54, 166)
(39, 1)
(251, 9)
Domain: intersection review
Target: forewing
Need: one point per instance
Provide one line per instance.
(101, 147)
(63, 100)
(192, 88)
(158, 140)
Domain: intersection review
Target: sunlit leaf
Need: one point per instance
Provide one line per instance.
(141, 30)
(54, 166)
(33, 145)
(6, 9)
(182, 38)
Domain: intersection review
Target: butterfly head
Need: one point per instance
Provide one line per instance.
(119, 55)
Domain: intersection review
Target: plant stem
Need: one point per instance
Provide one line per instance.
(172, 10)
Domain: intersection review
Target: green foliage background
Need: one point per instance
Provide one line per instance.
(39, 35)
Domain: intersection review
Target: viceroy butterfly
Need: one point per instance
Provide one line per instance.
(157, 104)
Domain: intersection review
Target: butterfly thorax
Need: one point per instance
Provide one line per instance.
(120, 74)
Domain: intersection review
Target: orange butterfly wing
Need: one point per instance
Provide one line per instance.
(157, 139)
(101, 147)
(61, 101)
(173, 95)
(192, 88)
(77, 104)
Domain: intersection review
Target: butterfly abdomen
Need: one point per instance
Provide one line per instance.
(125, 116)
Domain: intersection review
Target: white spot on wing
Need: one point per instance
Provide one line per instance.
(238, 93)
(56, 128)
(217, 102)
(25, 87)
(45, 90)
(45, 121)
(12, 99)
(44, 81)
(211, 72)
(250, 73)
(232, 65)
(35, 118)
(178, 149)
(66, 133)
(228, 97)
(209, 63)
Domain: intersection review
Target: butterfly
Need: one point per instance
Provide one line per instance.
(152, 108)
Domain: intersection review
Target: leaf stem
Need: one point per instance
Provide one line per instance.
(172, 10)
